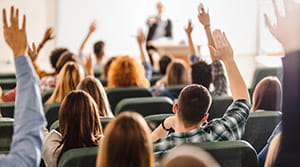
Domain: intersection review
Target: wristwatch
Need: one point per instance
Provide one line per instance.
(170, 130)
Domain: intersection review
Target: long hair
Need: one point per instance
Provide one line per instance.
(68, 79)
(94, 88)
(177, 73)
(126, 71)
(126, 143)
(267, 95)
(79, 121)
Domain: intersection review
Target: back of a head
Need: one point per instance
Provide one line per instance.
(99, 49)
(106, 67)
(163, 64)
(190, 156)
(68, 79)
(267, 95)
(201, 73)
(177, 73)
(95, 89)
(127, 143)
(79, 124)
(65, 58)
(126, 71)
(55, 55)
(193, 103)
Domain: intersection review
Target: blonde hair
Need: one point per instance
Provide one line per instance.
(177, 73)
(126, 143)
(93, 87)
(68, 79)
(126, 71)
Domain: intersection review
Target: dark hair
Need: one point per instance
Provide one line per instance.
(177, 73)
(267, 95)
(99, 49)
(106, 67)
(79, 124)
(163, 64)
(193, 102)
(64, 59)
(202, 73)
(55, 54)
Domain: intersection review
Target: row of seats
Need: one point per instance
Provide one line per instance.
(258, 128)
(227, 153)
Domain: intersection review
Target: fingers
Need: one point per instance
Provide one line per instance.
(17, 19)
(268, 24)
(24, 23)
(4, 18)
(12, 16)
(33, 47)
(276, 9)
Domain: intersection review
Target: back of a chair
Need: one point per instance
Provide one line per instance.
(8, 83)
(6, 133)
(146, 105)
(51, 113)
(103, 81)
(155, 120)
(79, 157)
(7, 109)
(175, 89)
(219, 106)
(115, 95)
(155, 78)
(46, 95)
(260, 126)
(231, 153)
(7, 76)
(262, 72)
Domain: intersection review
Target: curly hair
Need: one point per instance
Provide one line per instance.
(126, 71)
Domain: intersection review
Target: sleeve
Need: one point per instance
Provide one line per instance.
(194, 58)
(232, 125)
(220, 80)
(27, 144)
(148, 69)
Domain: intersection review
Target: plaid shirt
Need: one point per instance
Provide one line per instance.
(220, 80)
(230, 127)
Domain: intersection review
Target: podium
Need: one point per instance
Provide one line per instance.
(179, 51)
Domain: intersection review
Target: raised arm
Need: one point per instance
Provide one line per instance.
(27, 141)
(204, 19)
(48, 35)
(223, 51)
(144, 55)
(189, 30)
(92, 29)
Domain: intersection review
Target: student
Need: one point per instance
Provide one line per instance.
(27, 143)
(106, 67)
(94, 88)
(200, 69)
(144, 55)
(267, 95)
(191, 110)
(69, 77)
(127, 143)
(287, 31)
(190, 156)
(125, 71)
(79, 126)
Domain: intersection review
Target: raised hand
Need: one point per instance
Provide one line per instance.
(89, 66)
(140, 37)
(222, 50)
(189, 28)
(48, 34)
(287, 29)
(14, 36)
(32, 52)
(203, 16)
(93, 27)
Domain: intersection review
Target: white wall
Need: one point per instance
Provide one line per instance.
(40, 15)
(118, 21)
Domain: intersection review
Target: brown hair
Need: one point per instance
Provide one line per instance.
(267, 95)
(106, 67)
(193, 103)
(79, 121)
(177, 73)
(127, 143)
(68, 79)
(126, 71)
(93, 87)
(63, 59)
